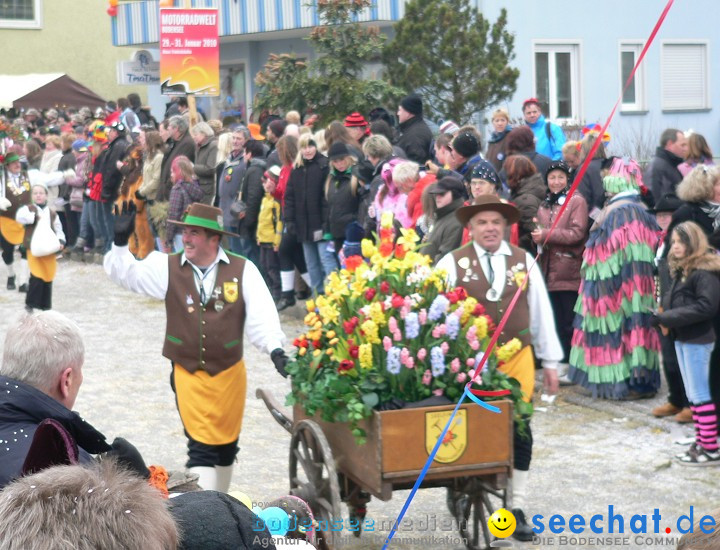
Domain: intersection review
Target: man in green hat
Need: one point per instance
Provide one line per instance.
(212, 297)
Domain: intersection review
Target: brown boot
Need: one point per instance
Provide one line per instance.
(668, 409)
(684, 416)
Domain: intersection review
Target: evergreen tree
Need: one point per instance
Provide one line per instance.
(452, 56)
(333, 85)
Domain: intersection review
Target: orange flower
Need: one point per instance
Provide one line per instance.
(352, 263)
(386, 235)
(400, 252)
(158, 479)
(386, 249)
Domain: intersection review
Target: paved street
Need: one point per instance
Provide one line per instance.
(588, 455)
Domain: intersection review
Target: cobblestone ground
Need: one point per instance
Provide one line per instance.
(588, 454)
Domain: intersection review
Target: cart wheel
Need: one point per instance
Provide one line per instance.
(472, 505)
(313, 477)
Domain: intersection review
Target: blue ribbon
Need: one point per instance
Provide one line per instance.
(431, 457)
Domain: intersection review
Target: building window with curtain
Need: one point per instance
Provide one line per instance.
(684, 75)
(21, 14)
(557, 80)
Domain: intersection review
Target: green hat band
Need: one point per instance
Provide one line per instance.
(202, 222)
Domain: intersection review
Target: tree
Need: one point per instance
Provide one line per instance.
(450, 54)
(331, 85)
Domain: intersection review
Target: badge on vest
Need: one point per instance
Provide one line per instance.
(230, 291)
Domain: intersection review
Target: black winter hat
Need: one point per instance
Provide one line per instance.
(669, 202)
(466, 145)
(558, 165)
(412, 104)
(209, 520)
(448, 183)
(338, 150)
(483, 170)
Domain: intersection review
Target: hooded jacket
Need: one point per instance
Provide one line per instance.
(447, 232)
(692, 302)
(22, 408)
(548, 146)
(528, 196)
(415, 139)
(204, 168)
(252, 193)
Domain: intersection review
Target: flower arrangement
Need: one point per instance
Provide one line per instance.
(387, 328)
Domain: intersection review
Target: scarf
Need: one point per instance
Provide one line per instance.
(712, 209)
(556, 198)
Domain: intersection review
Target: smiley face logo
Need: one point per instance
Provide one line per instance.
(501, 523)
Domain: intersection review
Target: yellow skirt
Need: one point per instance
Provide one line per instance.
(522, 368)
(211, 407)
(43, 267)
(12, 231)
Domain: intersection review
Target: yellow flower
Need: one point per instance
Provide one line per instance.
(316, 353)
(314, 335)
(519, 277)
(310, 305)
(302, 351)
(386, 220)
(365, 356)
(368, 248)
(506, 352)
(333, 342)
(408, 239)
(377, 314)
(370, 329)
(331, 334)
(330, 314)
(329, 352)
(481, 326)
(358, 286)
(468, 307)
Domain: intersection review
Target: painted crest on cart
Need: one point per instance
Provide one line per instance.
(455, 440)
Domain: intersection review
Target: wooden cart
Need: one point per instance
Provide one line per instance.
(327, 467)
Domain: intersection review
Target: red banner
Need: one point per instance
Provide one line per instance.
(189, 52)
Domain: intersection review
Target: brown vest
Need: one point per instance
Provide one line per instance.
(208, 337)
(17, 196)
(471, 277)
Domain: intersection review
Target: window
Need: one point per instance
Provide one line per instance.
(232, 100)
(684, 69)
(557, 80)
(634, 96)
(20, 14)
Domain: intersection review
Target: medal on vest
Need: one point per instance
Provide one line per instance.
(492, 295)
(219, 305)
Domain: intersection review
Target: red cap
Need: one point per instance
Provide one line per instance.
(355, 120)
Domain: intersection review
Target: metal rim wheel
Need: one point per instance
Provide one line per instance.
(313, 477)
(472, 506)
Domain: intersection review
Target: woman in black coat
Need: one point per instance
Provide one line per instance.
(689, 309)
(306, 211)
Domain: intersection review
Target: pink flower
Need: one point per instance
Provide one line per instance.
(443, 329)
(422, 316)
(410, 363)
(461, 377)
(421, 354)
(397, 336)
(470, 362)
(436, 332)
(471, 333)
(427, 377)
(471, 373)
(455, 365)
(475, 345)
(438, 392)
(445, 347)
(392, 324)
(404, 355)
(408, 302)
(387, 343)
(404, 311)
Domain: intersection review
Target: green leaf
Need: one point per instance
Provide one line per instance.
(371, 400)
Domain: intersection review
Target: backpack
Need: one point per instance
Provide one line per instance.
(548, 133)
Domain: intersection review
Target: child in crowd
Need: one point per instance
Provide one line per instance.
(185, 191)
(352, 246)
(689, 308)
(42, 268)
(269, 232)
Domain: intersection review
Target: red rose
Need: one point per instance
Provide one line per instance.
(346, 365)
(369, 294)
(354, 351)
(479, 310)
(452, 296)
(355, 320)
(397, 301)
(316, 344)
(461, 293)
(384, 287)
(348, 327)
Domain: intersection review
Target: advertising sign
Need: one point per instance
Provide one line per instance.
(142, 69)
(189, 52)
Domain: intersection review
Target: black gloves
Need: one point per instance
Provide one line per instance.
(124, 223)
(655, 320)
(279, 359)
(139, 196)
(128, 456)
